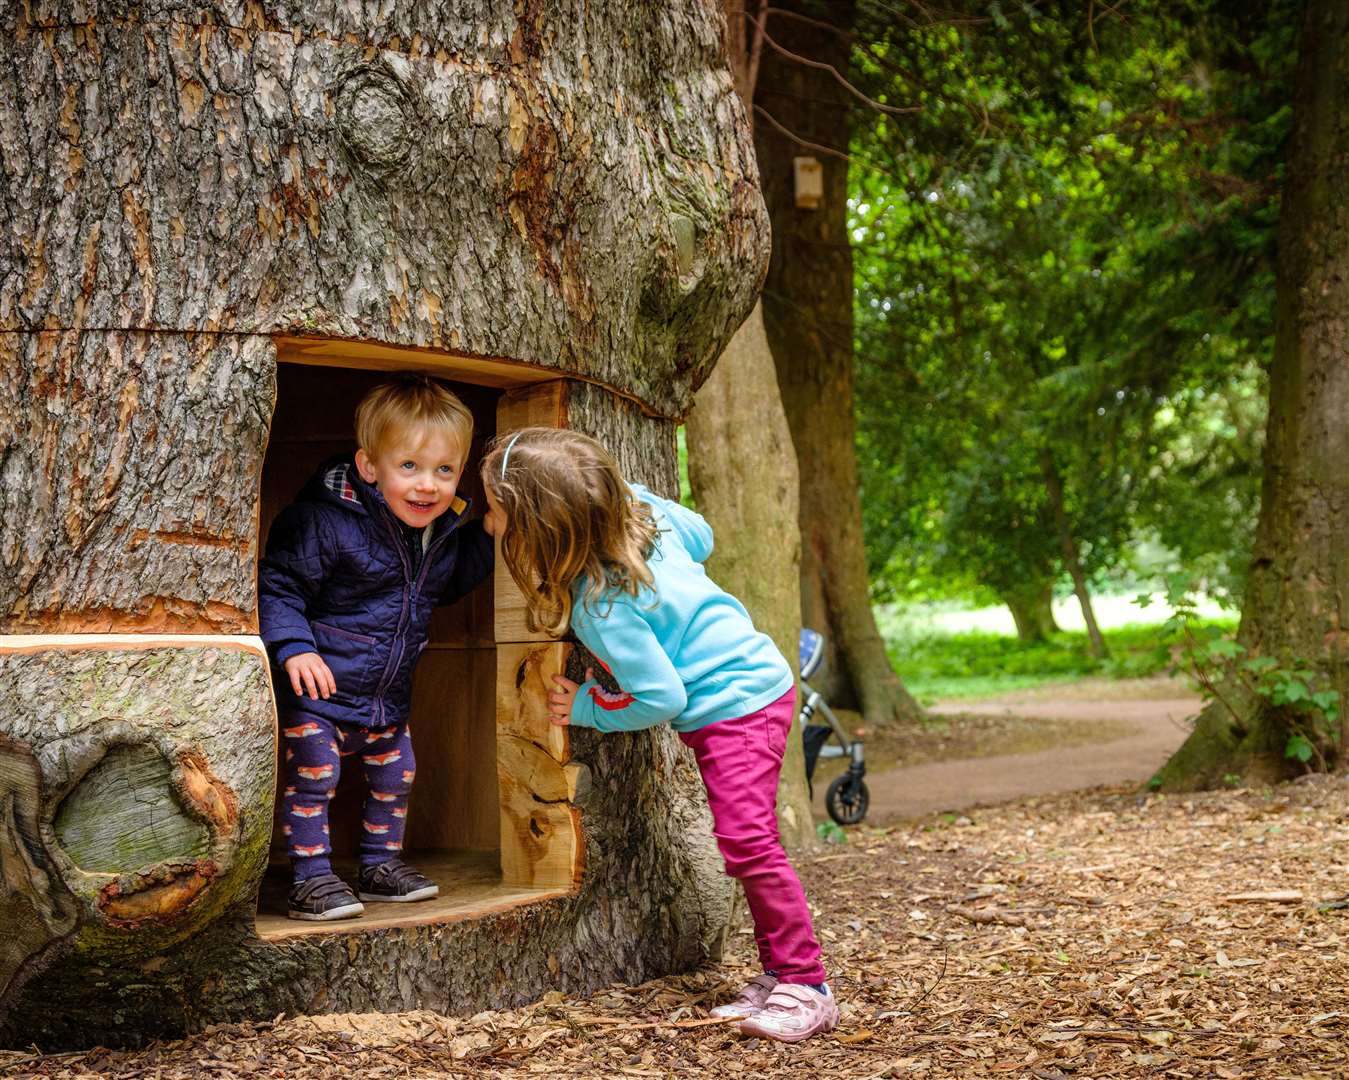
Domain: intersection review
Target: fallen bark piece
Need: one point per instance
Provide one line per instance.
(1276, 896)
(1000, 916)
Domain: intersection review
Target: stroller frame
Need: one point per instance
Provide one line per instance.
(847, 798)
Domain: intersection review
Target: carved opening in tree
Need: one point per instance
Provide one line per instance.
(123, 815)
(460, 816)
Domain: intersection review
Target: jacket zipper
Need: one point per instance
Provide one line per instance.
(391, 665)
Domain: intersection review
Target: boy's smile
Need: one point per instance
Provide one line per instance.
(417, 473)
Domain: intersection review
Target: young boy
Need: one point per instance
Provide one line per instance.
(353, 570)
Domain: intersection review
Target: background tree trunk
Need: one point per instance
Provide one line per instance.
(742, 468)
(743, 473)
(1032, 609)
(1295, 603)
(808, 298)
(1072, 561)
(506, 186)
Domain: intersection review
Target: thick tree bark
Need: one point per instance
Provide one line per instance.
(1032, 609)
(743, 473)
(808, 299)
(1295, 606)
(1072, 561)
(568, 186)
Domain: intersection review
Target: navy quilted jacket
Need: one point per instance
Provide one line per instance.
(344, 578)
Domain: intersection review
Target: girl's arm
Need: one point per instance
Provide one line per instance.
(695, 533)
(652, 691)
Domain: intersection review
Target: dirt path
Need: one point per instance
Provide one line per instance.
(1155, 708)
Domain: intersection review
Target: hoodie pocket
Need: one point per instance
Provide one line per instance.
(350, 656)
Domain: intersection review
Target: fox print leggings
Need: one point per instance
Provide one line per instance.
(312, 753)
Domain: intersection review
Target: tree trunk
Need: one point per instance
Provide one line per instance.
(1071, 560)
(744, 480)
(742, 469)
(1295, 602)
(808, 298)
(500, 194)
(1032, 609)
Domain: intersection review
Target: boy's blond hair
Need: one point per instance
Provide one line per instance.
(568, 515)
(408, 402)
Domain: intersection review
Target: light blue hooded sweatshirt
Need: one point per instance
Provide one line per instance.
(683, 651)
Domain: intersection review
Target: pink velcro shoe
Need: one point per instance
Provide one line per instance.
(751, 998)
(793, 1013)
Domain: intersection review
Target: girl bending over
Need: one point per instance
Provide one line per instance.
(623, 569)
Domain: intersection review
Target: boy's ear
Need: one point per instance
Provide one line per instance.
(365, 466)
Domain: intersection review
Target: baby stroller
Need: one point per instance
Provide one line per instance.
(847, 798)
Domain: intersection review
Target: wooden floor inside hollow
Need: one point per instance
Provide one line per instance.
(470, 887)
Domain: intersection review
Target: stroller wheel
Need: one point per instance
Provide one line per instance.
(847, 800)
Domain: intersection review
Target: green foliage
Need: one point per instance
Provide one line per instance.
(682, 450)
(1297, 691)
(1064, 262)
(831, 833)
(976, 664)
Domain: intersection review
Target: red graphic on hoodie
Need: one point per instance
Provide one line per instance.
(610, 702)
(604, 699)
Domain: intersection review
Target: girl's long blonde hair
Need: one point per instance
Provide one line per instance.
(568, 515)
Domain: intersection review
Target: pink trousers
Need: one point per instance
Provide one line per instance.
(740, 761)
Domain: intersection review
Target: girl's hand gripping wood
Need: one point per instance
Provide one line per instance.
(561, 697)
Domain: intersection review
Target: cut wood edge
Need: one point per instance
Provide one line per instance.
(493, 371)
(524, 678)
(541, 839)
(540, 405)
(11, 644)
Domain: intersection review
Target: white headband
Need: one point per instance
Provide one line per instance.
(507, 455)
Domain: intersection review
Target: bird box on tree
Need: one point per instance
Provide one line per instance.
(225, 220)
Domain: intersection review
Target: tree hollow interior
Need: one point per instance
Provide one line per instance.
(454, 817)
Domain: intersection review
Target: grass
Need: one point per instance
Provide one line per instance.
(979, 664)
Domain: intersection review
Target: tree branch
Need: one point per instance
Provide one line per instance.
(761, 111)
(756, 48)
(820, 65)
(847, 35)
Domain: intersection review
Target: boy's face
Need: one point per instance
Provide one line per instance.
(417, 472)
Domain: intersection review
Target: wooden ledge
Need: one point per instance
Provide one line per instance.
(500, 372)
(470, 888)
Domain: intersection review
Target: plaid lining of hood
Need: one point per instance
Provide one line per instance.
(338, 481)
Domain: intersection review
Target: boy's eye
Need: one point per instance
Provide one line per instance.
(408, 465)
(446, 470)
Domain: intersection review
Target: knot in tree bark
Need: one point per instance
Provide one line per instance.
(376, 119)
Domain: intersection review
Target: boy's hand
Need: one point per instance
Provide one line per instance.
(309, 674)
(560, 699)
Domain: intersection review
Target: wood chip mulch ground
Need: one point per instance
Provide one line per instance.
(1098, 935)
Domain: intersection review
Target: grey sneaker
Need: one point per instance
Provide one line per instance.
(394, 881)
(323, 897)
(751, 999)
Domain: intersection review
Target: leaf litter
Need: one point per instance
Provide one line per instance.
(1101, 934)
